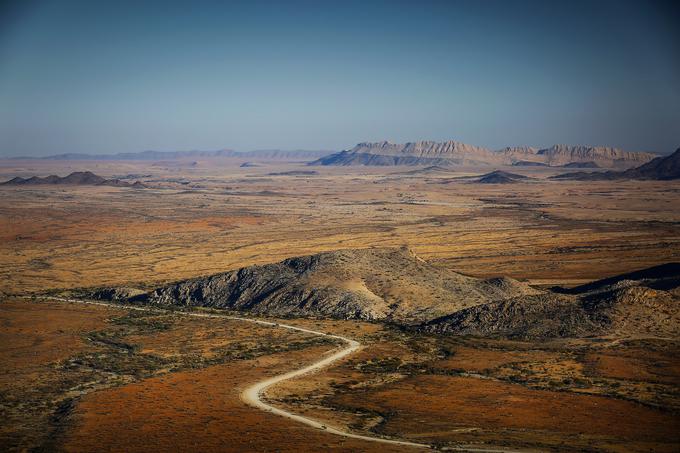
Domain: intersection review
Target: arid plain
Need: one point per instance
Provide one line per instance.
(170, 382)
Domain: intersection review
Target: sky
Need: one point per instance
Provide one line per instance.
(124, 76)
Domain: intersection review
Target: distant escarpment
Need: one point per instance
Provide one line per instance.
(455, 153)
(261, 154)
(78, 178)
(501, 177)
(660, 169)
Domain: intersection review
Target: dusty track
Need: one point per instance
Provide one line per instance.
(253, 394)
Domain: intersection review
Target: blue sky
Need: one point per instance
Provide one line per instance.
(101, 77)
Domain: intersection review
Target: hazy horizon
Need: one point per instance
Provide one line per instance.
(310, 150)
(80, 77)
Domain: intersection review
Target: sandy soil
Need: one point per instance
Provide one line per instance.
(76, 378)
(209, 218)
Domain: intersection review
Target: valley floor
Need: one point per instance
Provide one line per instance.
(73, 378)
(79, 376)
(204, 220)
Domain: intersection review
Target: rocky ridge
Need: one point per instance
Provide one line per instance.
(662, 168)
(456, 153)
(396, 286)
(78, 178)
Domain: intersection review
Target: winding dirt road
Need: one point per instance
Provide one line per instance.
(253, 394)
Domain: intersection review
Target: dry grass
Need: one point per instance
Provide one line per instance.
(176, 388)
(70, 375)
(224, 219)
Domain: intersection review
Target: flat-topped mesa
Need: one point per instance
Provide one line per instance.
(448, 153)
(421, 149)
(501, 177)
(518, 150)
(601, 155)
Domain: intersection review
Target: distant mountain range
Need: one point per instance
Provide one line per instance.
(263, 154)
(425, 153)
(661, 168)
(455, 153)
(78, 178)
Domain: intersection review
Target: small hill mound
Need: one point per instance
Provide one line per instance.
(294, 173)
(528, 163)
(389, 284)
(622, 306)
(78, 178)
(500, 177)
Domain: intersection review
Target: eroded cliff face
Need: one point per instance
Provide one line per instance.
(457, 153)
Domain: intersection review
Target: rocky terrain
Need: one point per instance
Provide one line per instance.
(78, 178)
(456, 153)
(501, 177)
(390, 284)
(643, 303)
(528, 163)
(589, 164)
(599, 155)
(661, 169)
(394, 285)
(263, 154)
(428, 171)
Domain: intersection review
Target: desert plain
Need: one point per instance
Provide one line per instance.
(103, 378)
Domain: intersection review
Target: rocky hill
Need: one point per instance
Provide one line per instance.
(588, 164)
(644, 303)
(432, 170)
(661, 168)
(448, 153)
(602, 156)
(394, 285)
(501, 177)
(78, 178)
(372, 284)
(262, 154)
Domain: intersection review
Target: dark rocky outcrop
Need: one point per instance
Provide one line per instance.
(78, 178)
(394, 285)
(455, 153)
(501, 177)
